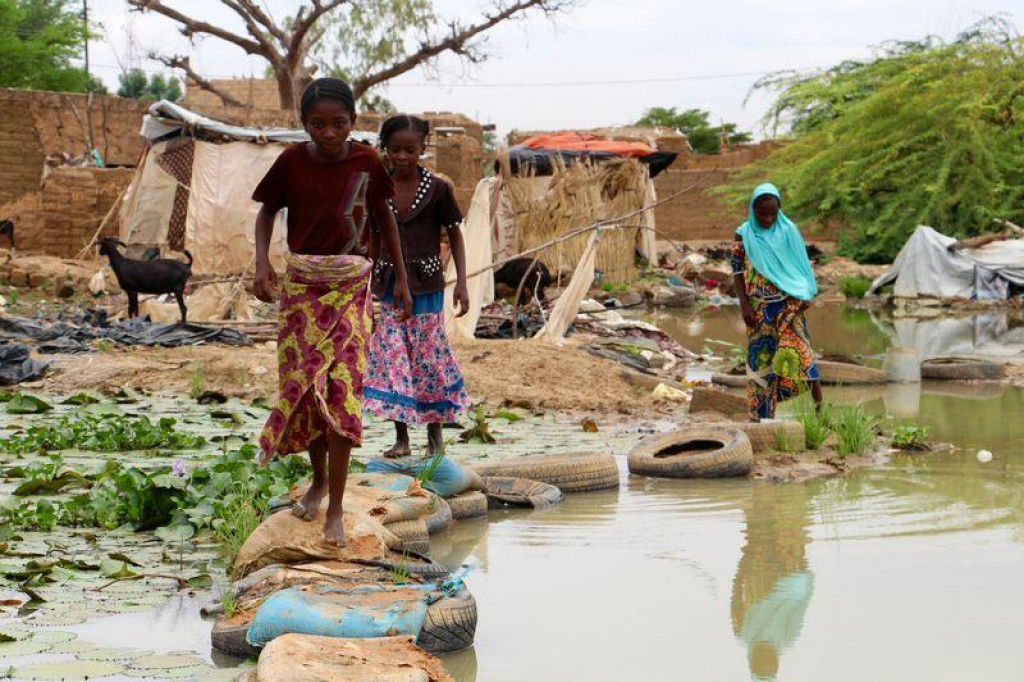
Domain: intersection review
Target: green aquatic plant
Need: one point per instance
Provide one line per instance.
(102, 428)
(910, 437)
(855, 429)
(854, 287)
(146, 499)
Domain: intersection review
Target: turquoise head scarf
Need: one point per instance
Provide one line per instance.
(778, 252)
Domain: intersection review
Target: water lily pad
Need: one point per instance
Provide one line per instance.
(60, 616)
(22, 403)
(24, 647)
(120, 654)
(53, 636)
(67, 670)
(166, 662)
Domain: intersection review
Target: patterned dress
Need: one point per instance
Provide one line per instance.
(780, 360)
(413, 376)
(323, 334)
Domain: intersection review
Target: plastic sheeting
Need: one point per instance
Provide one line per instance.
(476, 234)
(568, 304)
(146, 211)
(17, 365)
(220, 226)
(166, 118)
(926, 266)
(648, 237)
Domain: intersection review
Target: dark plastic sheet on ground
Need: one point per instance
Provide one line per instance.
(65, 337)
(17, 365)
(540, 160)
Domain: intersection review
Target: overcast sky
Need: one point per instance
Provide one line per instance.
(586, 68)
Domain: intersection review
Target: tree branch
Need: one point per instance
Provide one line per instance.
(457, 41)
(184, 64)
(256, 28)
(264, 19)
(304, 22)
(190, 26)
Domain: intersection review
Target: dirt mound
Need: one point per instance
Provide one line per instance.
(517, 373)
(536, 375)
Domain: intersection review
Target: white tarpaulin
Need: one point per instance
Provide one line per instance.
(220, 225)
(568, 304)
(648, 237)
(148, 203)
(927, 267)
(476, 234)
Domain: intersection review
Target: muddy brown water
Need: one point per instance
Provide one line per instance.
(907, 571)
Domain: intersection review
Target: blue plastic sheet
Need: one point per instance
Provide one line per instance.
(332, 612)
(448, 480)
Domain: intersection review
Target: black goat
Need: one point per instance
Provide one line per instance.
(7, 228)
(158, 276)
(513, 272)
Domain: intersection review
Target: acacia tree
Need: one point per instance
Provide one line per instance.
(928, 133)
(410, 35)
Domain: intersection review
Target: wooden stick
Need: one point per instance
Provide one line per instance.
(103, 223)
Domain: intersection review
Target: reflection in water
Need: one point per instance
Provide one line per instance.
(773, 583)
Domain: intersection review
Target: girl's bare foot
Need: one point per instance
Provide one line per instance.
(401, 447)
(334, 526)
(397, 450)
(307, 508)
(435, 439)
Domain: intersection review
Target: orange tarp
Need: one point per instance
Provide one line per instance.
(586, 142)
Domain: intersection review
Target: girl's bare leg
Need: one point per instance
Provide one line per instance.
(816, 394)
(339, 449)
(435, 440)
(401, 447)
(310, 504)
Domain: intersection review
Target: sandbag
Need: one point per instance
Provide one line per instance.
(305, 658)
(449, 478)
(285, 539)
(388, 498)
(323, 610)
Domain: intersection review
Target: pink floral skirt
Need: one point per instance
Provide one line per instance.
(413, 376)
(322, 343)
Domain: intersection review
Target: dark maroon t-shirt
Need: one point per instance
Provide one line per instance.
(328, 203)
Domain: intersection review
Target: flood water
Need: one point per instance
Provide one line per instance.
(909, 571)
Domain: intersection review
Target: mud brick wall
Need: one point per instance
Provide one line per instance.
(255, 93)
(703, 215)
(34, 125)
(71, 207)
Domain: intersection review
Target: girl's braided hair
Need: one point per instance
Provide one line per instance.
(327, 88)
(399, 122)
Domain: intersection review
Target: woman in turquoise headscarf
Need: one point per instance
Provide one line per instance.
(775, 285)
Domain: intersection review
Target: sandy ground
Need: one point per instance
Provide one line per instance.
(516, 373)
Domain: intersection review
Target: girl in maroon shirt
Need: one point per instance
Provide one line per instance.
(330, 186)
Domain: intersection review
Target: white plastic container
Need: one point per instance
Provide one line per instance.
(903, 366)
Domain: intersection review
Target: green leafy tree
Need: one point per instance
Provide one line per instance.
(928, 133)
(135, 85)
(695, 124)
(39, 39)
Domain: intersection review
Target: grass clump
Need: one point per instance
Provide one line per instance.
(854, 287)
(855, 429)
(236, 518)
(817, 423)
(782, 441)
